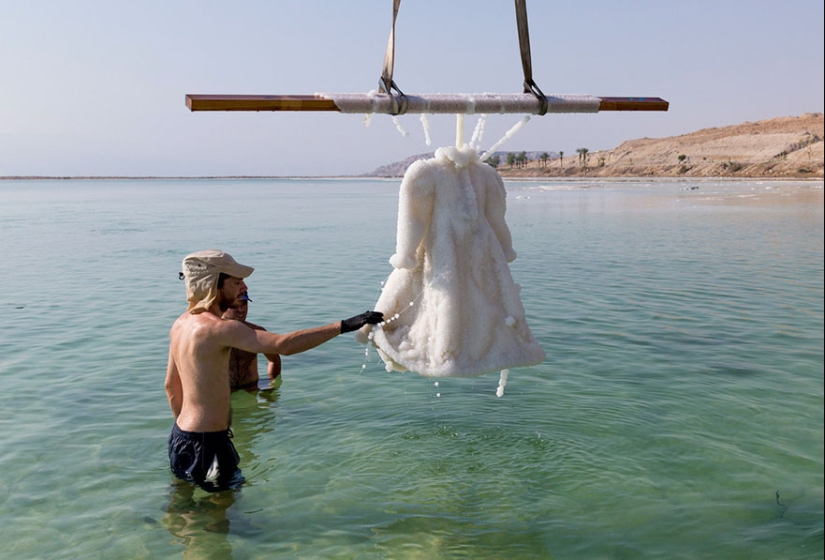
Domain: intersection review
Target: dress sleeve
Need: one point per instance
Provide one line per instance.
(495, 208)
(415, 209)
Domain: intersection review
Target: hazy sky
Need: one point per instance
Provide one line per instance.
(97, 87)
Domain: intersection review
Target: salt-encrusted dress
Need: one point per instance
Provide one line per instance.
(459, 312)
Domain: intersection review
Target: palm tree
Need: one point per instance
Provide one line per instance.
(544, 157)
(582, 156)
(561, 159)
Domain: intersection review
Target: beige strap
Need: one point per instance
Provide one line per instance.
(526, 61)
(386, 84)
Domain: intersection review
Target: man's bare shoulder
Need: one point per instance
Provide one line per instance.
(202, 324)
(189, 320)
(207, 332)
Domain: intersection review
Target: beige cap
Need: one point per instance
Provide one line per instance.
(201, 271)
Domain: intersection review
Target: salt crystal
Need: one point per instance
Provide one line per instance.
(507, 135)
(478, 133)
(399, 127)
(426, 124)
(502, 382)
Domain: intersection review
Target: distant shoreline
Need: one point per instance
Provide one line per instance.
(170, 177)
(504, 176)
(784, 148)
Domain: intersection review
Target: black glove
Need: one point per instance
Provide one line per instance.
(365, 318)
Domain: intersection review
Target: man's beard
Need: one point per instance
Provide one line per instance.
(226, 303)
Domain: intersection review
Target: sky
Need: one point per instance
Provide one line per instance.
(97, 87)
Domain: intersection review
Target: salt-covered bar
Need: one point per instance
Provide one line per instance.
(382, 103)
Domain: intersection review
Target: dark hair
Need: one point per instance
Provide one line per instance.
(221, 278)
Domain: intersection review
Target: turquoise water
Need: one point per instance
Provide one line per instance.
(679, 413)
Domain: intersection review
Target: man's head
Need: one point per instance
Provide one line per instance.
(202, 272)
(240, 309)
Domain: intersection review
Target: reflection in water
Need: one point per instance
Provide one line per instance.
(199, 520)
(253, 419)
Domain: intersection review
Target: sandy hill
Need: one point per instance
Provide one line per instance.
(781, 147)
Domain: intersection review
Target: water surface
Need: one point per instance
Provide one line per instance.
(679, 412)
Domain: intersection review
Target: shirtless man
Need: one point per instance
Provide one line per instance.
(243, 365)
(197, 376)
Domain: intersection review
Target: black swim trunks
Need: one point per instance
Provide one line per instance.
(208, 459)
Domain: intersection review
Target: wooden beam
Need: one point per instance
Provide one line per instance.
(633, 104)
(259, 103)
(196, 102)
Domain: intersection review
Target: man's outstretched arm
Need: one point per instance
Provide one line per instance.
(238, 335)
